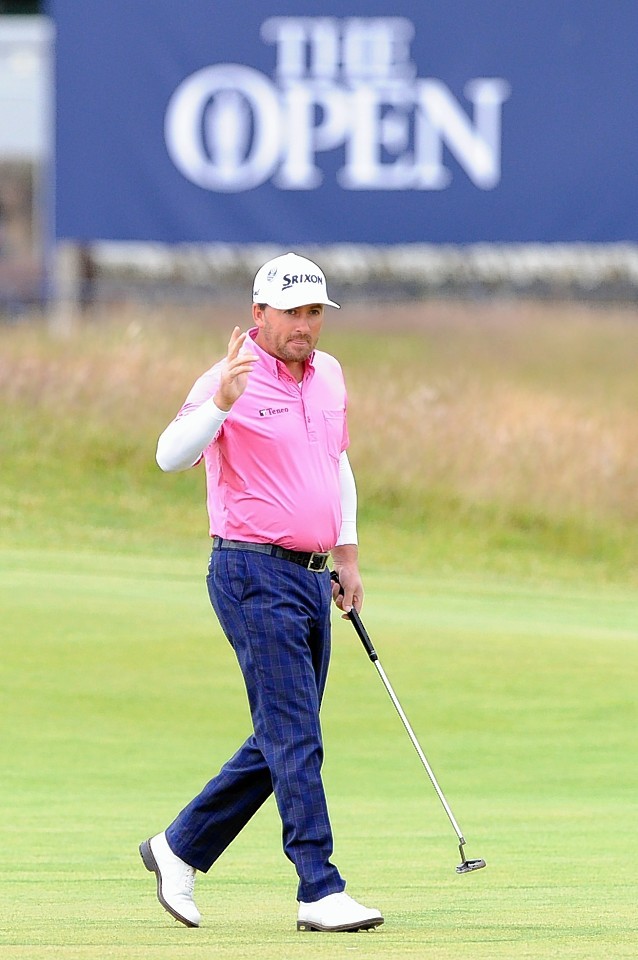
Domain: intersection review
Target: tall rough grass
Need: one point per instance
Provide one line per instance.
(522, 410)
(534, 407)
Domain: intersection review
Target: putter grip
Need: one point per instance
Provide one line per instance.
(355, 619)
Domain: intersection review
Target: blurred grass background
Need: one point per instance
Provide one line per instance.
(486, 436)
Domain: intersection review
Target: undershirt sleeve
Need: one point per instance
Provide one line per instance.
(182, 443)
(348, 490)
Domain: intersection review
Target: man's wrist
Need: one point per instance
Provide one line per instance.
(345, 554)
(221, 404)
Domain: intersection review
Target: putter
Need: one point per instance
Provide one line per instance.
(466, 866)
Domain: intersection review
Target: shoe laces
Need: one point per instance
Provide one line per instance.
(188, 879)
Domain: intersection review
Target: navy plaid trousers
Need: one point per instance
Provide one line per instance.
(276, 615)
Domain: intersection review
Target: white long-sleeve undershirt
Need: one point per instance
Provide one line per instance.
(182, 443)
(348, 492)
(184, 440)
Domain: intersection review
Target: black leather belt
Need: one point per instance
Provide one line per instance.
(316, 562)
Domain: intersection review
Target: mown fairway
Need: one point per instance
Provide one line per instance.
(501, 599)
(120, 697)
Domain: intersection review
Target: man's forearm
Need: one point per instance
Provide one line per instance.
(184, 440)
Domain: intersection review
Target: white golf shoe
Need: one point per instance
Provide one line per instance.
(175, 880)
(335, 913)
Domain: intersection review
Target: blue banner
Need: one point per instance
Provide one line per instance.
(346, 121)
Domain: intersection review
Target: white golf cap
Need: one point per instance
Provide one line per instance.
(290, 281)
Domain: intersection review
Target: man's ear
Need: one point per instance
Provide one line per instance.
(258, 314)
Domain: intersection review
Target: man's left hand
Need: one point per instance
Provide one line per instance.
(346, 566)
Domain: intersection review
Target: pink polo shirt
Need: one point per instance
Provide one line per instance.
(272, 471)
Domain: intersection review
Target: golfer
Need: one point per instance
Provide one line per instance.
(269, 422)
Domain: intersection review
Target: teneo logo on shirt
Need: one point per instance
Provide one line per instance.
(272, 411)
(346, 84)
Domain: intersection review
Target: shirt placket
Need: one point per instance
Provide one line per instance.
(298, 391)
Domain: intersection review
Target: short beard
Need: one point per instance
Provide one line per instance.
(281, 350)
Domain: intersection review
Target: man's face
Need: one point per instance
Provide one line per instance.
(290, 335)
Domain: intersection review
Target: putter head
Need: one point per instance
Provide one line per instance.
(468, 865)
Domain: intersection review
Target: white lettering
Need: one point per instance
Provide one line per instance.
(319, 116)
(340, 84)
(378, 49)
(380, 120)
(208, 128)
(323, 48)
(476, 147)
(306, 46)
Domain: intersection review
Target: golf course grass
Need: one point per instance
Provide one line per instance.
(120, 698)
(508, 627)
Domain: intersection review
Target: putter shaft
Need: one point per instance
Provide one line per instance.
(417, 747)
(362, 633)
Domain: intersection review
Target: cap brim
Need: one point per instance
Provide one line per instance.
(291, 306)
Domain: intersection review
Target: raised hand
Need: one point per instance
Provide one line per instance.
(236, 369)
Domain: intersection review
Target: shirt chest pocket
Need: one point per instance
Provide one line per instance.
(334, 424)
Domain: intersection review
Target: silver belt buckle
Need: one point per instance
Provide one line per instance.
(318, 562)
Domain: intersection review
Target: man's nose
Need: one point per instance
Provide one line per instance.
(303, 322)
